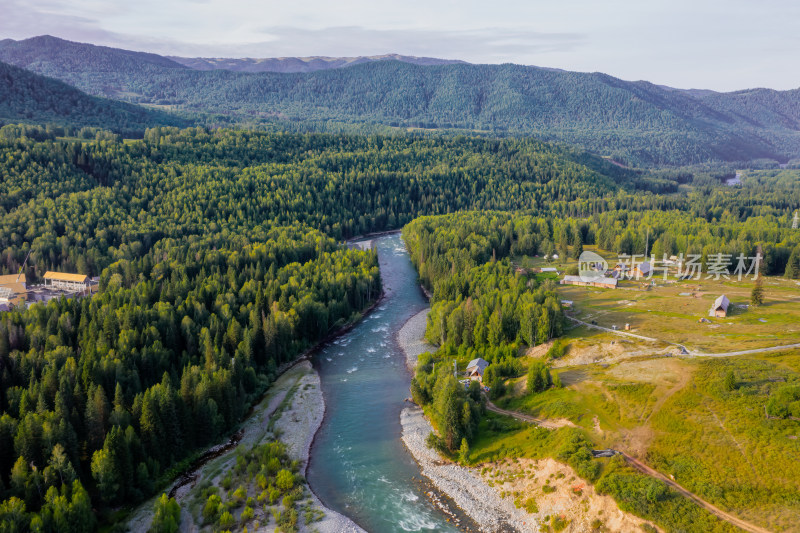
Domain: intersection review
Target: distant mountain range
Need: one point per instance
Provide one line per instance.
(636, 122)
(299, 64)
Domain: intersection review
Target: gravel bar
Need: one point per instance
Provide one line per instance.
(297, 426)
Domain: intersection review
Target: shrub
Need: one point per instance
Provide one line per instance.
(284, 480)
(226, 520)
(558, 523)
(530, 506)
(167, 515)
(239, 495)
(211, 508)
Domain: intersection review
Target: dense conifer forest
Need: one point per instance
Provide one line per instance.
(36, 99)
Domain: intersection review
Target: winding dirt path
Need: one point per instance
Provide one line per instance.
(684, 349)
(731, 519)
(549, 423)
(641, 467)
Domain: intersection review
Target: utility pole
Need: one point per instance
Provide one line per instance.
(19, 275)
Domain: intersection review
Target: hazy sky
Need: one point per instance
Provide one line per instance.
(714, 44)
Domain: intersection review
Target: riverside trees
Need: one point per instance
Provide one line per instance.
(481, 307)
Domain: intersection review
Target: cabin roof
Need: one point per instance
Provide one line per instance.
(602, 281)
(64, 276)
(478, 363)
(722, 302)
(9, 281)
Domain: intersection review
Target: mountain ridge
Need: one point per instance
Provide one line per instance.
(297, 64)
(637, 122)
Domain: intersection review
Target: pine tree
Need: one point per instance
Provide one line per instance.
(463, 452)
(106, 474)
(757, 294)
(793, 265)
(80, 511)
(563, 243)
(538, 377)
(577, 250)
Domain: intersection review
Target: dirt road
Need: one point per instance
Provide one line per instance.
(549, 423)
(738, 522)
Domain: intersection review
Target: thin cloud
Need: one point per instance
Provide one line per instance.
(475, 45)
(22, 20)
(722, 45)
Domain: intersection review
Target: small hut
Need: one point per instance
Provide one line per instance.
(476, 367)
(720, 307)
(642, 270)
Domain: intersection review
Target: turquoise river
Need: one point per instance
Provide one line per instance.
(359, 465)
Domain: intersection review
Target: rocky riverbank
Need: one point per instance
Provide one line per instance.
(465, 487)
(292, 410)
(297, 425)
(479, 492)
(411, 338)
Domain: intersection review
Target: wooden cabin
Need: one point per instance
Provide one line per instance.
(603, 283)
(476, 368)
(13, 289)
(719, 308)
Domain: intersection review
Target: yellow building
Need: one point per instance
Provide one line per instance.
(67, 282)
(13, 288)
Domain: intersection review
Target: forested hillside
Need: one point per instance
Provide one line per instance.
(634, 122)
(219, 262)
(28, 97)
(480, 308)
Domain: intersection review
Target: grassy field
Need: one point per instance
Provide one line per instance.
(677, 415)
(502, 439)
(671, 310)
(721, 445)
